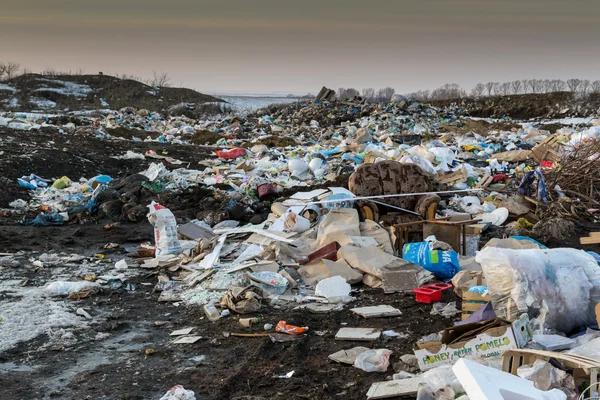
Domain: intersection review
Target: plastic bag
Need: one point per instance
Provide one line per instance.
(568, 280)
(443, 264)
(545, 377)
(165, 230)
(231, 154)
(377, 360)
(63, 288)
(283, 327)
(445, 309)
(441, 384)
(179, 393)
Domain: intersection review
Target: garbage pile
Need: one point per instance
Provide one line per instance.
(379, 196)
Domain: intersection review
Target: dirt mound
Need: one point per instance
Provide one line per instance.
(205, 137)
(76, 92)
(273, 141)
(526, 106)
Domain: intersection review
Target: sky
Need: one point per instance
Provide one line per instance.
(297, 46)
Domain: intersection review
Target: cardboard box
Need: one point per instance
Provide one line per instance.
(479, 339)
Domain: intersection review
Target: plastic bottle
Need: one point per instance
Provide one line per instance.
(248, 322)
(211, 312)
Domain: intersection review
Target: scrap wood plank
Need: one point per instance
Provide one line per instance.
(589, 240)
(395, 388)
(485, 181)
(460, 175)
(547, 150)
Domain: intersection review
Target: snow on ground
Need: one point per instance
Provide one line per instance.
(245, 103)
(12, 102)
(4, 86)
(68, 89)
(28, 312)
(42, 103)
(570, 121)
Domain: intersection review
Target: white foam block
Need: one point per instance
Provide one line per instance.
(485, 383)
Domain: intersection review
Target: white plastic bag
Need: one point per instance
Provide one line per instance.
(179, 393)
(377, 360)
(519, 280)
(165, 230)
(63, 288)
(440, 384)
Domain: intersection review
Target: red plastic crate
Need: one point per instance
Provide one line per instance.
(430, 293)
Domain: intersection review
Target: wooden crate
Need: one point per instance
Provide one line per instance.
(547, 150)
(585, 369)
(472, 302)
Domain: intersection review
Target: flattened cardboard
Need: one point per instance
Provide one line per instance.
(347, 356)
(479, 339)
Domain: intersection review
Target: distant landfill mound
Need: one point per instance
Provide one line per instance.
(93, 92)
(527, 106)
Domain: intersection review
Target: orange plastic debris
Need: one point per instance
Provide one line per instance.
(283, 327)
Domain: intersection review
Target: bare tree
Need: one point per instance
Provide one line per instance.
(385, 94)
(595, 85)
(547, 85)
(516, 86)
(2, 71)
(505, 88)
(496, 88)
(12, 68)
(534, 85)
(573, 84)
(585, 86)
(161, 79)
(448, 91)
(525, 85)
(489, 87)
(368, 94)
(346, 94)
(478, 90)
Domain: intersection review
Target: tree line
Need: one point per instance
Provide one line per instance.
(524, 86)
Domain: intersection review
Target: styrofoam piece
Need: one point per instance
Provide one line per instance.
(336, 286)
(485, 383)
(377, 311)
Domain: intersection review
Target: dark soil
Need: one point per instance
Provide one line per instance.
(116, 366)
(205, 137)
(52, 155)
(273, 141)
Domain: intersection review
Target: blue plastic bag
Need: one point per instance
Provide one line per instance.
(443, 264)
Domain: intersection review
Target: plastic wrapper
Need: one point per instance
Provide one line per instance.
(283, 327)
(445, 309)
(377, 360)
(568, 280)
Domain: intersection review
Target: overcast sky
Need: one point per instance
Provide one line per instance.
(267, 46)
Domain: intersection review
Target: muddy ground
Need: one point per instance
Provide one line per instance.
(106, 359)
